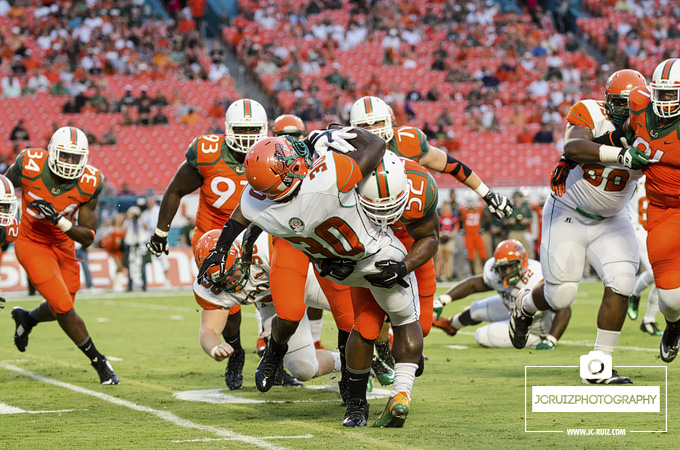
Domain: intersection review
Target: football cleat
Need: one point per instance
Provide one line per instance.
(283, 378)
(261, 345)
(384, 353)
(614, 379)
(651, 328)
(233, 376)
(446, 325)
(633, 305)
(394, 414)
(520, 321)
(105, 371)
(356, 414)
(421, 365)
(265, 373)
(382, 372)
(669, 341)
(22, 329)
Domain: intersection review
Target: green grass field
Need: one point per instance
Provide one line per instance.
(468, 397)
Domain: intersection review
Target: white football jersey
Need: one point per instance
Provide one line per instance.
(531, 278)
(637, 207)
(257, 287)
(321, 219)
(600, 189)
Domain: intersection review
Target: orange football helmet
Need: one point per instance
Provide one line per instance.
(275, 166)
(619, 85)
(511, 261)
(290, 125)
(236, 275)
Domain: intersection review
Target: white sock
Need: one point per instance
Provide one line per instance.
(642, 282)
(606, 341)
(528, 304)
(456, 322)
(404, 376)
(652, 306)
(315, 327)
(336, 361)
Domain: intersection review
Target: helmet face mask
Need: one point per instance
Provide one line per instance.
(665, 89)
(237, 274)
(276, 166)
(372, 114)
(619, 86)
(245, 123)
(384, 193)
(510, 262)
(68, 151)
(8, 202)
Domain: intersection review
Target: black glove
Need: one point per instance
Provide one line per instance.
(337, 268)
(391, 273)
(499, 205)
(158, 245)
(2, 300)
(46, 209)
(217, 257)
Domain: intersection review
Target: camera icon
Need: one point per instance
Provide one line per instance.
(596, 366)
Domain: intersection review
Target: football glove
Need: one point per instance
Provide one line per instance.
(633, 158)
(547, 343)
(391, 273)
(158, 245)
(439, 304)
(499, 205)
(558, 179)
(46, 209)
(337, 268)
(327, 140)
(216, 257)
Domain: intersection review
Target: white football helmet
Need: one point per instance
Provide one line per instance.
(8, 202)
(245, 123)
(68, 150)
(372, 114)
(384, 192)
(665, 88)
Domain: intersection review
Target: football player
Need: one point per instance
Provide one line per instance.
(214, 164)
(655, 120)
(289, 125)
(250, 285)
(9, 224)
(313, 205)
(589, 221)
(637, 209)
(472, 214)
(509, 272)
(59, 198)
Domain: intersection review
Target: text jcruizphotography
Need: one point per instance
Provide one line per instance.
(595, 399)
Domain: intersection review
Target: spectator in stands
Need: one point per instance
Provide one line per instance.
(489, 120)
(99, 102)
(11, 86)
(91, 138)
(544, 135)
(516, 117)
(612, 39)
(136, 254)
(4, 165)
(160, 118)
(216, 127)
(58, 88)
(433, 94)
(38, 82)
(266, 65)
(445, 119)
(191, 118)
(336, 78)
(525, 136)
(109, 138)
(413, 95)
(128, 99)
(449, 224)
(19, 132)
(126, 119)
(144, 103)
(159, 99)
(218, 71)
(125, 190)
(197, 8)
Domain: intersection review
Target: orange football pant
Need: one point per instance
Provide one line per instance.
(52, 269)
(663, 246)
(475, 243)
(287, 280)
(427, 286)
(195, 237)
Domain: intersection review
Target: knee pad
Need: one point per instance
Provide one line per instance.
(559, 296)
(300, 368)
(669, 303)
(620, 277)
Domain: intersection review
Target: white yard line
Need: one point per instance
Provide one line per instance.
(306, 436)
(163, 415)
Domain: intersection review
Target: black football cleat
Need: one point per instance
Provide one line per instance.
(22, 329)
(233, 376)
(283, 378)
(356, 414)
(614, 379)
(520, 321)
(105, 371)
(669, 341)
(265, 373)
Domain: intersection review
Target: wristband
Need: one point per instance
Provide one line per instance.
(161, 233)
(445, 299)
(609, 153)
(482, 189)
(213, 351)
(64, 224)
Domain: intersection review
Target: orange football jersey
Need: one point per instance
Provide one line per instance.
(422, 199)
(472, 219)
(661, 140)
(36, 181)
(9, 233)
(223, 181)
(409, 142)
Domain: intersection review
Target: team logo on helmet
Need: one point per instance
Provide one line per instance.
(296, 224)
